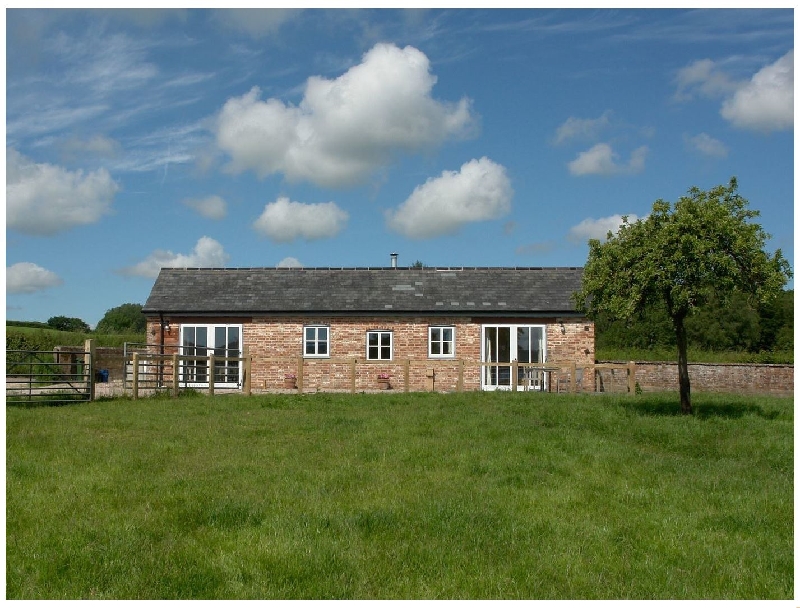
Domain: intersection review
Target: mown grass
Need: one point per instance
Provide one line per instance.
(401, 496)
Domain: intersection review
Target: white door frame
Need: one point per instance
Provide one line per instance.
(202, 370)
(498, 377)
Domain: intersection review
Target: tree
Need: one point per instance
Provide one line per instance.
(68, 324)
(124, 319)
(680, 256)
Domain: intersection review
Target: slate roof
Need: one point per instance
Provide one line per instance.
(472, 291)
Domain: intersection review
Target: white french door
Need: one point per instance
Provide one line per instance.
(200, 341)
(503, 344)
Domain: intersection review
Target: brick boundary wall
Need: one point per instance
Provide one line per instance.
(111, 358)
(749, 378)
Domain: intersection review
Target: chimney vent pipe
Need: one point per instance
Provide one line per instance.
(393, 256)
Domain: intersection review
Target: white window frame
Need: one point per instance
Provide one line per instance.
(188, 374)
(317, 341)
(441, 342)
(380, 347)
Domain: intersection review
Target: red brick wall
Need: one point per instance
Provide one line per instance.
(727, 378)
(718, 377)
(276, 345)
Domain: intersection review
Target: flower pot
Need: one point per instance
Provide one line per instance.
(383, 384)
(289, 383)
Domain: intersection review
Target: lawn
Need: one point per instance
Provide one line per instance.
(477, 495)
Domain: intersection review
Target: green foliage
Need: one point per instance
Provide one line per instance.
(479, 495)
(32, 338)
(68, 324)
(682, 256)
(702, 249)
(735, 331)
(124, 319)
(37, 324)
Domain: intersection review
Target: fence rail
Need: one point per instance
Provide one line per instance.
(53, 377)
(150, 371)
(48, 377)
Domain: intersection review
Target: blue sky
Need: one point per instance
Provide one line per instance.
(259, 138)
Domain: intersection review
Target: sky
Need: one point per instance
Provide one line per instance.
(141, 139)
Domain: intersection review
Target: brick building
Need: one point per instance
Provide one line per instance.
(438, 328)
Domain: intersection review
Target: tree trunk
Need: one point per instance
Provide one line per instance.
(683, 365)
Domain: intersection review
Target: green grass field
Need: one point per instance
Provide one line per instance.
(505, 495)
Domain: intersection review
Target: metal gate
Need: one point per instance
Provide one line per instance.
(48, 377)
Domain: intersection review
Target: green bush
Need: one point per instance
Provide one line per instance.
(32, 338)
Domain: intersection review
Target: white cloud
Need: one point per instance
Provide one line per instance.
(766, 103)
(44, 199)
(584, 128)
(707, 145)
(591, 228)
(480, 191)
(98, 146)
(284, 220)
(704, 79)
(27, 277)
(535, 248)
(212, 207)
(255, 22)
(289, 263)
(602, 160)
(207, 253)
(344, 129)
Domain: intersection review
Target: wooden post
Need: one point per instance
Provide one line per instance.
(632, 377)
(248, 366)
(353, 375)
(175, 375)
(573, 379)
(211, 375)
(406, 374)
(300, 375)
(460, 385)
(135, 375)
(88, 367)
(514, 373)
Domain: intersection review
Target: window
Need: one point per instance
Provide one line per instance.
(441, 342)
(379, 345)
(316, 341)
(198, 342)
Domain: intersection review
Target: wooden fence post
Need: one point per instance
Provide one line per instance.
(211, 374)
(514, 373)
(175, 375)
(460, 384)
(300, 375)
(406, 374)
(248, 366)
(573, 379)
(353, 375)
(135, 375)
(88, 367)
(632, 377)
